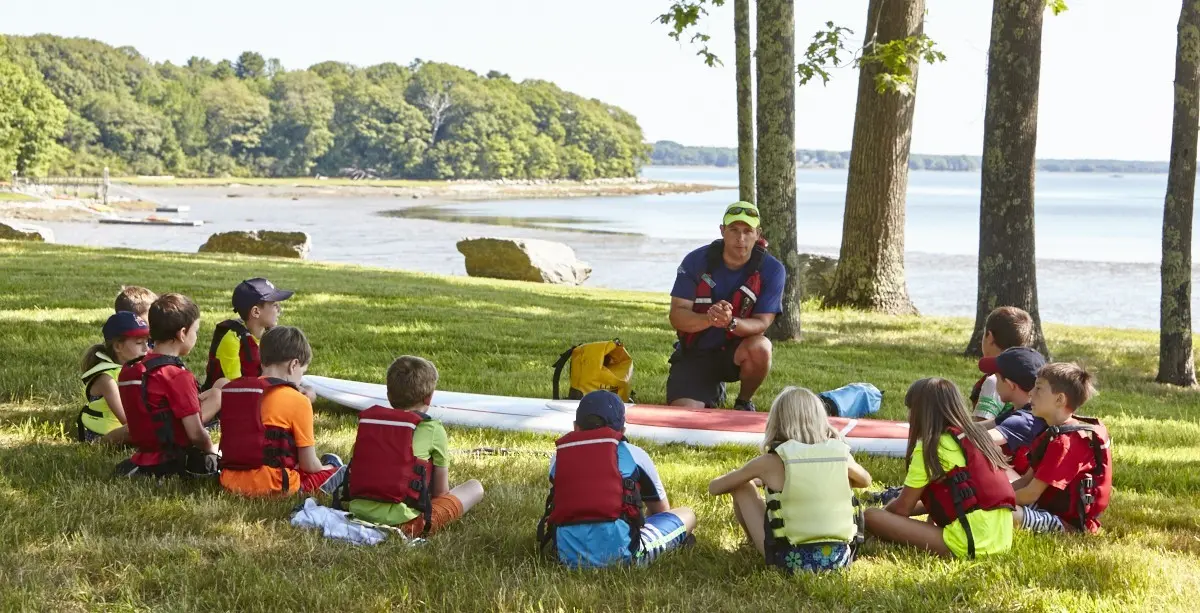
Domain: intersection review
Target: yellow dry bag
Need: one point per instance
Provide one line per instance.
(603, 365)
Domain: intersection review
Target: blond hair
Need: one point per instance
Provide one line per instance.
(797, 414)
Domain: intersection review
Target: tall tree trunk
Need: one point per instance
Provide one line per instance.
(745, 100)
(1007, 261)
(870, 271)
(777, 150)
(1175, 363)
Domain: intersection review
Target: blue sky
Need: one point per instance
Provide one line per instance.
(1107, 65)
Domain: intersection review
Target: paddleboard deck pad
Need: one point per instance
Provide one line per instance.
(707, 427)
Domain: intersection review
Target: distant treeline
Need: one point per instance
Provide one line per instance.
(668, 153)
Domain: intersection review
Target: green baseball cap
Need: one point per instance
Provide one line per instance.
(742, 211)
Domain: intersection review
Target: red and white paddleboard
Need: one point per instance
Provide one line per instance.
(657, 423)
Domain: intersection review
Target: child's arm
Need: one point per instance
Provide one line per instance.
(309, 463)
(859, 477)
(730, 481)
(908, 503)
(1031, 491)
(104, 385)
(441, 480)
(997, 437)
(654, 507)
(197, 434)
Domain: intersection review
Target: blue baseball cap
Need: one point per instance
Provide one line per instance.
(124, 323)
(603, 404)
(1020, 365)
(253, 291)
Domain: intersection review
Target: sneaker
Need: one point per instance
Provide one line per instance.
(744, 405)
(332, 459)
(885, 496)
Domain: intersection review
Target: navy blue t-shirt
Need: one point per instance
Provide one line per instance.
(726, 280)
(1020, 427)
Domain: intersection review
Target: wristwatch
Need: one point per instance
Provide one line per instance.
(732, 324)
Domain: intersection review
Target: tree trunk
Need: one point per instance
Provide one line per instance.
(745, 100)
(777, 150)
(1007, 262)
(870, 271)
(1175, 363)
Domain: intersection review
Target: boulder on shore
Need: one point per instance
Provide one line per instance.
(816, 274)
(260, 242)
(12, 231)
(533, 260)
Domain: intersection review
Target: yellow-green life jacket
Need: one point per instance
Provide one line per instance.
(96, 415)
(815, 504)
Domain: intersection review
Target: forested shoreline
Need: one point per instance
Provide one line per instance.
(75, 106)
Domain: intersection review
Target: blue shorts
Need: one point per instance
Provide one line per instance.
(811, 557)
(661, 533)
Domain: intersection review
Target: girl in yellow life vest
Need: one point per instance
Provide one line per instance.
(103, 417)
(807, 522)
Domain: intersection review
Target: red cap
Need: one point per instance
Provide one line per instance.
(988, 366)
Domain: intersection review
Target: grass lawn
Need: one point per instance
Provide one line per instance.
(75, 539)
(15, 197)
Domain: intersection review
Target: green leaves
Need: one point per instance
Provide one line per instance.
(896, 59)
(826, 50)
(686, 14)
(1057, 7)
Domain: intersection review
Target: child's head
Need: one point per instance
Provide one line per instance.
(286, 349)
(410, 383)
(1016, 372)
(797, 414)
(125, 337)
(257, 300)
(934, 405)
(600, 409)
(1006, 327)
(136, 300)
(1061, 388)
(174, 318)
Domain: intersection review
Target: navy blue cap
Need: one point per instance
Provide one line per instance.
(253, 291)
(603, 404)
(1020, 365)
(124, 323)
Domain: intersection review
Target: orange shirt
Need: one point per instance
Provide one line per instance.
(286, 408)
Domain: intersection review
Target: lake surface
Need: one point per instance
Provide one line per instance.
(1098, 236)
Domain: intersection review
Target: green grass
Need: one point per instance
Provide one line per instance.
(75, 539)
(15, 197)
(273, 182)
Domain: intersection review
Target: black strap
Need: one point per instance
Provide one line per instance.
(956, 496)
(545, 531)
(558, 368)
(90, 412)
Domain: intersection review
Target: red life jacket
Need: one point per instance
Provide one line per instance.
(978, 486)
(247, 443)
(743, 297)
(248, 355)
(384, 467)
(151, 428)
(1087, 495)
(588, 486)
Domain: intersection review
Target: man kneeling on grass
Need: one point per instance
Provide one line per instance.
(267, 442)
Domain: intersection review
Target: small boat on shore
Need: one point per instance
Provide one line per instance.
(152, 221)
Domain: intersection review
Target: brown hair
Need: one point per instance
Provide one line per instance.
(410, 380)
(134, 299)
(934, 405)
(90, 360)
(285, 343)
(1010, 327)
(169, 314)
(1070, 379)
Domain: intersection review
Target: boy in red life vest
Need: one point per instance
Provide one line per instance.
(1015, 428)
(599, 483)
(1069, 482)
(410, 385)
(234, 351)
(1006, 327)
(164, 411)
(267, 442)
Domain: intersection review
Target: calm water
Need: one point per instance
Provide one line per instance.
(1097, 235)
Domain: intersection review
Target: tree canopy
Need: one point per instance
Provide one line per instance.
(70, 105)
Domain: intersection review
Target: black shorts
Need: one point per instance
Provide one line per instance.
(193, 463)
(701, 374)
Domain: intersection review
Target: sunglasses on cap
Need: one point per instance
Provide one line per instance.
(741, 210)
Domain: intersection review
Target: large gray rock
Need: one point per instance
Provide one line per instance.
(816, 274)
(523, 260)
(13, 231)
(260, 242)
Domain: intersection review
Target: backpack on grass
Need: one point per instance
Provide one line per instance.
(602, 365)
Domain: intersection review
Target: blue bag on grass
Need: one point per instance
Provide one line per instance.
(853, 400)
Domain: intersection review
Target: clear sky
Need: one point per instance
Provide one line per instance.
(1107, 65)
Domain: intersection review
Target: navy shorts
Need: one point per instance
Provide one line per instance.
(811, 557)
(701, 374)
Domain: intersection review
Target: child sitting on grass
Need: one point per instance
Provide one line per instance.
(1015, 428)
(1005, 327)
(399, 472)
(955, 475)
(1069, 482)
(136, 300)
(808, 520)
(598, 484)
(267, 442)
(103, 416)
(234, 351)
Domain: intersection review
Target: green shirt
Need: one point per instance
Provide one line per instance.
(429, 441)
(992, 529)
